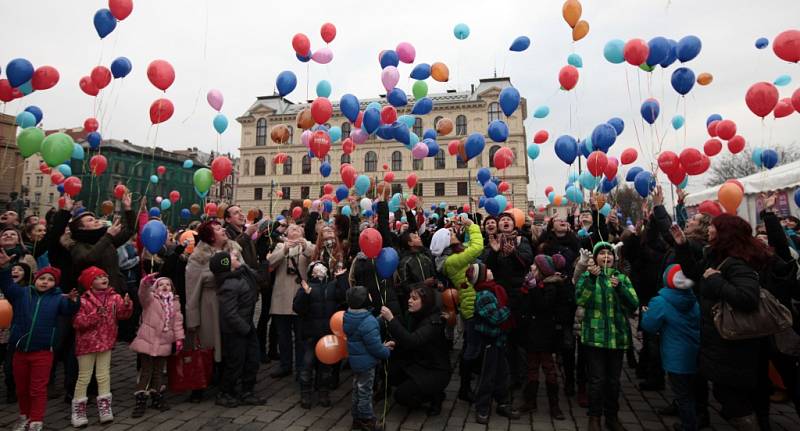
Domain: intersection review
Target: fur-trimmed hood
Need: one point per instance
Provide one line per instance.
(202, 252)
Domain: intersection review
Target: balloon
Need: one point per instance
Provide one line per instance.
(301, 44)
(104, 22)
(386, 263)
(174, 196)
(371, 242)
(541, 137)
(221, 167)
(521, 43)
(644, 183)
(220, 123)
(678, 121)
(388, 58)
(440, 72)
(614, 51)
(596, 163)
(631, 175)
(161, 74)
(761, 43)
(349, 106)
(461, 31)
(119, 191)
(509, 100)
(406, 52)
(328, 32)
(433, 147)
(473, 146)
(650, 110)
(320, 144)
(782, 80)
(604, 136)
(736, 144)
(153, 236)
(580, 30)
(297, 213)
(769, 158)
(611, 167)
(121, 67)
(541, 112)
(397, 97)
(389, 77)
(330, 349)
(668, 161)
(533, 151)
(202, 179)
(628, 156)
(388, 114)
(783, 108)
(363, 184)
(321, 110)
(348, 176)
(730, 197)
(322, 55)
(419, 151)
(30, 141)
(57, 177)
(44, 77)
(161, 110)
(280, 133)
(154, 179)
(56, 148)
(325, 169)
(682, 80)
(635, 51)
(726, 129)
(797, 197)
(422, 106)
(796, 100)
(568, 77)
(444, 126)
(87, 86)
(335, 133)
(755, 156)
(101, 76)
(421, 71)
(187, 164)
(498, 131)
(342, 192)
(658, 48)
(25, 119)
(165, 204)
(618, 124)
(705, 78)
(286, 82)
(215, 99)
(688, 48)
(761, 98)
(65, 170)
(411, 180)
(502, 203)
(503, 158)
(566, 148)
(19, 71)
(786, 46)
(575, 60)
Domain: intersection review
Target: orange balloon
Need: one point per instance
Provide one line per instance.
(251, 215)
(384, 189)
(195, 209)
(440, 72)
(557, 200)
(705, 78)
(444, 126)
(580, 30)
(730, 197)
(337, 323)
(330, 349)
(279, 134)
(519, 217)
(450, 299)
(306, 203)
(600, 199)
(571, 11)
(107, 207)
(188, 236)
(6, 314)
(221, 211)
(451, 318)
(304, 119)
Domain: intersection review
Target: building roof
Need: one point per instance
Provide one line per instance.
(124, 146)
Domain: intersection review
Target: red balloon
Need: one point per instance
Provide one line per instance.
(761, 98)
(320, 143)
(796, 100)
(98, 164)
(371, 242)
(72, 186)
(44, 77)
(328, 32)
(88, 87)
(783, 108)
(628, 156)
(359, 119)
(161, 74)
(452, 147)
(301, 45)
(174, 196)
(348, 146)
(736, 144)
(712, 147)
(348, 176)
(389, 177)
(635, 51)
(503, 158)
(668, 160)
(56, 178)
(161, 110)
(388, 114)
(541, 137)
(411, 180)
(411, 202)
(120, 8)
(611, 167)
(712, 128)
(43, 168)
(221, 167)
(677, 176)
(211, 208)
(101, 77)
(726, 129)
(6, 92)
(327, 188)
(547, 190)
(503, 187)
(61, 202)
(596, 163)
(691, 160)
(297, 212)
(736, 182)
(119, 191)
(709, 207)
(568, 77)
(385, 166)
(161, 170)
(321, 110)
(90, 125)
(787, 46)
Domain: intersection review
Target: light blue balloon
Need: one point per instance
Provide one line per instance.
(502, 202)
(573, 176)
(574, 194)
(587, 180)
(394, 203)
(684, 183)
(533, 151)
(65, 170)
(154, 179)
(335, 133)
(374, 105)
(324, 89)
(605, 210)
(575, 60)
(613, 51)
(756, 157)
(541, 112)
(26, 88)
(346, 211)
(677, 121)
(783, 80)
(188, 163)
(413, 139)
(77, 152)
(165, 204)
(551, 196)
(362, 185)
(25, 119)
(407, 119)
(461, 31)
(220, 123)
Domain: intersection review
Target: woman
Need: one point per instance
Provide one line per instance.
(420, 365)
(35, 243)
(416, 268)
(328, 250)
(11, 242)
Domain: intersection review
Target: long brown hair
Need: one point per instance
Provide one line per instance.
(734, 238)
(337, 253)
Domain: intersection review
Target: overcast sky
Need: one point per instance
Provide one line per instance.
(240, 46)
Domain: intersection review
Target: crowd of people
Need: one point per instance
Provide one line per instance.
(498, 298)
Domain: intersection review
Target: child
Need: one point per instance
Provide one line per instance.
(161, 325)
(675, 314)
(608, 300)
(21, 274)
(33, 332)
(95, 334)
(492, 324)
(547, 313)
(315, 302)
(364, 349)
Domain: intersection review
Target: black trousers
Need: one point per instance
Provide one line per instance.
(604, 368)
(240, 362)
(650, 359)
(313, 373)
(289, 340)
(493, 383)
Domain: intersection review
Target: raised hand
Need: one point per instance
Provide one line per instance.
(4, 258)
(73, 295)
(677, 234)
(658, 196)
(115, 229)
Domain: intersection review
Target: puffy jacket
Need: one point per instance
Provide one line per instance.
(548, 312)
(509, 271)
(675, 314)
(96, 322)
(34, 325)
(455, 268)
(364, 346)
(152, 339)
(423, 351)
(316, 308)
(237, 293)
(103, 253)
(364, 273)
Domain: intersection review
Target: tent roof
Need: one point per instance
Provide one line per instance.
(781, 177)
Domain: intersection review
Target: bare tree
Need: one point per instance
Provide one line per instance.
(741, 165)
(628, 201)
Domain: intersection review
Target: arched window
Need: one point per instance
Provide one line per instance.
(494, 111)
(370, 162)
(418, 164)
(461, 125)
(291, 134)
(287, 166)
(306, 164)
(261, 166)
(345, 130)
(261, 132)
(418, 127)
(397, 161)
(345, 158)
(439, 162)
(246, 168)
(436, 121)
(491, 155)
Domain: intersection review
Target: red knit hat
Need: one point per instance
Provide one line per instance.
(55, 272)
(88, 275)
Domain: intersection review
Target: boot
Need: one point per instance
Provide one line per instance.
(744, 423)
(372, 425)
(594, 423)
(141, 404)
(529, 395)
(21, 424)
(305, 399)
(104, 408)
(552, 397)
(506, 410)
(583, 398)
(324, 399)
(35, 426)
(435, 408)
(79, 413)
(249, 398)
(613, 424)
(158, 402)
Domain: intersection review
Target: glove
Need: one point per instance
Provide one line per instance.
(585, 256)
(179, 345)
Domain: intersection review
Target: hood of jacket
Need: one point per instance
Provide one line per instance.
(353, 319)
(682, 299)
(202, 252)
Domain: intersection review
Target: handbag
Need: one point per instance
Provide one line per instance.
(190, 369)
(770, 318)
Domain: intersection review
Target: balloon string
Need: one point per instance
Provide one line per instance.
(205, 62)
(630, 101)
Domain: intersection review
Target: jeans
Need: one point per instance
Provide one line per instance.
(493, 383)
(151, 372)
(98, 363)
(313, 373)
(240, 361)
(683, 387)
(362, 395)
(543, 360)
(650, 359)
(31, 373)
(604, 368)
(288, 326)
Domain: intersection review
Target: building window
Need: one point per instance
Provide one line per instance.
(462, 188)
(397, 188)
(291, 134)
(438, 189)
(287, 166)
(418, 127)
(439, 160)
(287, 192)
(345, 158)
(37, 197)
(50, 198)
(39, 181)
(120, 169)
(27, 181)
(258, 193)
(370, 162)
(436, 122)
(494, 111)
(418, 189)
(461, 125)
(493, 150)
(322, 190)
(139, 171)
(305, 192)
(247, 168)
(261, 132)
(418, 164)
(460, 163)
(345, 130)
(306, 164)
(261, 166)
(397, 161)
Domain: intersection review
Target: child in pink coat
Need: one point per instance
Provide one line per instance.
(95, 335)
(161, 326)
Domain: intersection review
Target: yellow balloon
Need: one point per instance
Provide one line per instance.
(440, 72)
(307, 203)
(580, 30)
(705, 78)
(571, 11)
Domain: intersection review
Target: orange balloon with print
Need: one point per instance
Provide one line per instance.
(337, 323)
(107, 208)
(440, 72)
(572, 11)
(6, 314)
(330, 349)
(188, 237)
(444, 126)
(519, 217)
(730, 197)
(580, 30)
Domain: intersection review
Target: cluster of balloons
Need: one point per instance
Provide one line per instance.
(658, 51)
(22, 79)
(719, 130)
(493, 200)
(572, 10)
(302, 46)
(105, 20)
(332, 348)
(161, 75)
(215, 100)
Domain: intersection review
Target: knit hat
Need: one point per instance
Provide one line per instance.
(88, 275)
(357, 297)
(75, 223)
(440, 241)
(549, 265)
(602, 245)
(675, 279)
(55, 272)
(220, 262)
(476, 273)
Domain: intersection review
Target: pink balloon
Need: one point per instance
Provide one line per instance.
(359, 136)
(322, 55)
(406, 52)
(389, 77)
(159, 199)
(420, 151)
(215, 99)
(305, 138)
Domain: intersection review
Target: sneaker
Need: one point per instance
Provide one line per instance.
(251, 399)
(670, 410)
(21, 424)
(104, 409)
(78, 416)
(506, 410)
(482, 418)
(35, 426)
(226, 400)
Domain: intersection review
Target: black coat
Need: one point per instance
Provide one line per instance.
(237, 293)
(422, 352)
(548, 313)
(509, 271)
(316, 308)
(415, 267)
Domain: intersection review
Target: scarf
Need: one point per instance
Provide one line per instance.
(167, 307)
(88, 236)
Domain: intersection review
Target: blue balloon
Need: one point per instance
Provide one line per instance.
(498, 131)
(566, 148)
(650, 110)
(672, 54)
(386, 263)
(422, 106)
(154, 179)
(389, 58)
(397, 97)
(474, 145)
(185, 213)
(362, 185)
(304, 58)
(604, 136)
(36, 111)
(533, 151)
(481, 201)
(520, 44)
(644, 183)
(677, 121)
(797, 197)
(60, 188)
(780, 81)
(490, 189)
(502, 203)
(346, 211)
(25, 119)
(121, 67)
(342, 192)
(483, 175)
(327, 206)
(461, 31)
(94, 140)
(325, 169)
(607, 185)
(349, 106)
(491, 206)
(618, 124)
(165, 204)
(713, 117)
(632, 173)
(408, 120)
(375, 105)
(575, 60)
(286, 82)
(688, 48)
(104, 22)
(335, 133)
(429, 134)
(541, 112)
(385, 132)
(433, 147)
(77, 152)
(761, 43)
(587, 180)
(371, 120)
(220, 123)
(154, 212)
(154, 235)
(682, 80)
(188, 164)
(19, 71)
(324, 89)
(613, 51)
(401, 133)
(769, 158)
(755, 156)
(509, 100)
(65, 170)
(659, 50)
(421, 72)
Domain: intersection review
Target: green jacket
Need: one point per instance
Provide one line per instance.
(455, 268)
(605, 321)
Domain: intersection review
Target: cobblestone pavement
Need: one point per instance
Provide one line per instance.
(283, 411)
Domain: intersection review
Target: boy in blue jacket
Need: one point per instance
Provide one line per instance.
(675, 313)
(364, 349)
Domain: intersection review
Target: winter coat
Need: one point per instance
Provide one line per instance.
(175, 269)
(286, 285)
(103, 253)
(316, 308)
(382, 292)
(34, 325)
(675, 314)
(423, 351)
(202, 305)
(509, 271)
(605, 322)
(547, 313)
(96, 321)
(455, 268)
(237, 294)
(58, 249)
(415, 267)
(152, 339)
(364, 346)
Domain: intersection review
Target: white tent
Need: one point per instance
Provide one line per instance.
(783, 179)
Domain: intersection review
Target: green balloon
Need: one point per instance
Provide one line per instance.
(30, 141)
(420, 89)
(203, 179)
(646, 67)
(57, 149)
